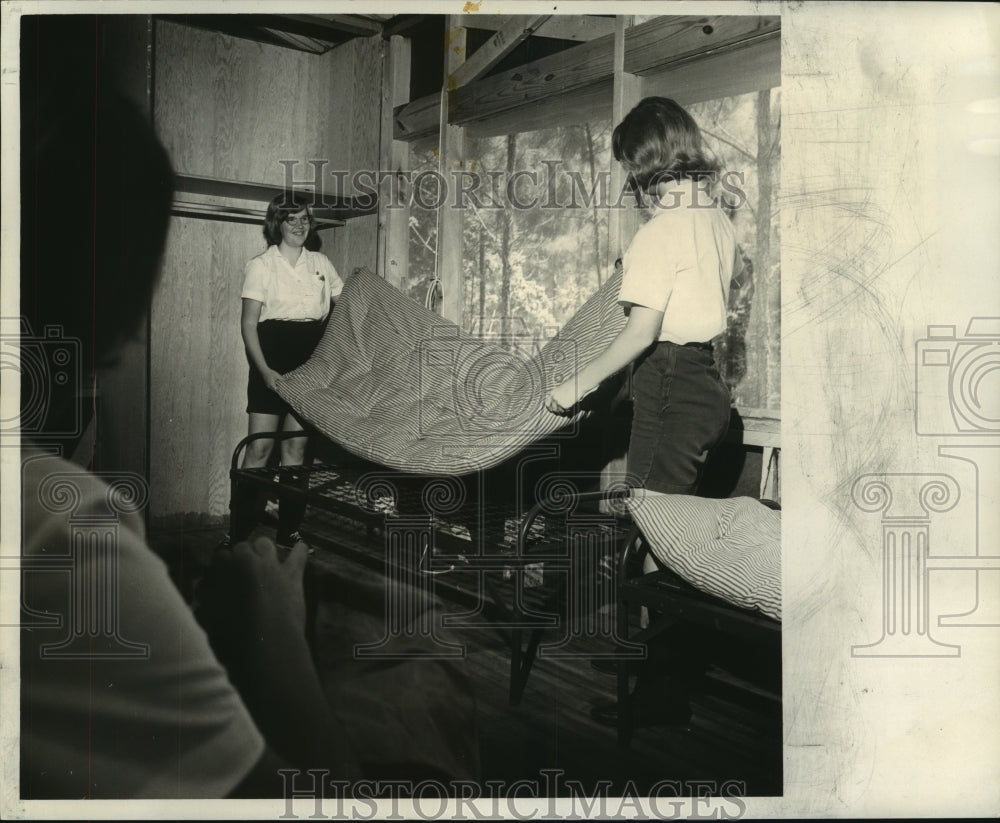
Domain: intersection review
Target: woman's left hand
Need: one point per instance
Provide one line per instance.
(562, 398)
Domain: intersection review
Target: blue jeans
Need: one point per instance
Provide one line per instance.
(681, 411)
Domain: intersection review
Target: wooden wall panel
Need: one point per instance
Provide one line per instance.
(365, 141)
(198, 369)
(232, 109)
(177, 372)
(353, 138)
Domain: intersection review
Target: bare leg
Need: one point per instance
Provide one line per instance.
(259, 451)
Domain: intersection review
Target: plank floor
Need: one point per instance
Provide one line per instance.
(733, 736)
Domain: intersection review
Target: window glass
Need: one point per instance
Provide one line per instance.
(535, 232)
(744, 132)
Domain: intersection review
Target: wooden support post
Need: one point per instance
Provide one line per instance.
(627, 92)
(394, 158)
(451, 147)
(623, 221)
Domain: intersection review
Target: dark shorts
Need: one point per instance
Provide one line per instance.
(286, 345)
(681, 411)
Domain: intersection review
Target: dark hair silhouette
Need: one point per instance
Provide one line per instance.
(659, 141)
(96, 190)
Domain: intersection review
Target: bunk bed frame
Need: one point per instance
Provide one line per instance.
(514, 538)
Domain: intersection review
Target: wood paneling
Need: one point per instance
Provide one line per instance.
(365, 110)
(198, 370)
(233, 109)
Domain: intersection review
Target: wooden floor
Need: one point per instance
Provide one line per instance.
(733, 736)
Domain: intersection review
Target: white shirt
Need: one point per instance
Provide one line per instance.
(299, 292)
(163, 725)
(681, 263)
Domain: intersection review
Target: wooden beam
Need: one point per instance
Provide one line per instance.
(298, 41)
(451, 152)
(746, 69)
(545, 78)
(580, 28)
(669, 40)
(574, 107)
(394, 156)
(553, 77)
(401, 24)
(354, 24)
(494, 50)
(538, 81)
(217, 187)
(193, 206)
(418, 118)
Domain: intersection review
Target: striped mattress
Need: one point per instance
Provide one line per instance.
(728, 548)
(396, 384)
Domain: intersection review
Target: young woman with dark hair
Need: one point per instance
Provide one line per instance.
(287, 294)
(675, 289)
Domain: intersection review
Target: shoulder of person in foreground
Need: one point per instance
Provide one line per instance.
(121, 695)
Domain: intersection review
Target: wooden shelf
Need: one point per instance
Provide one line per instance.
(214, 198)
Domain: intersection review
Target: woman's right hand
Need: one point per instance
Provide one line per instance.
(271, 378)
